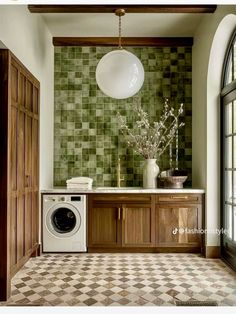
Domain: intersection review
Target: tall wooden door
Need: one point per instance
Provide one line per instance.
(13, 175)
(35, 167)
(28, 165)
(21, 172)
(19, 94)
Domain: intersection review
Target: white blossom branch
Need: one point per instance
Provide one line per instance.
(151, 140)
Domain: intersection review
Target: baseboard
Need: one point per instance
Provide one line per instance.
(20, 263)
(36, 251)
(144, 249)
(212, 251)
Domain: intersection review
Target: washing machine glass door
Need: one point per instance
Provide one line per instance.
(63, 220)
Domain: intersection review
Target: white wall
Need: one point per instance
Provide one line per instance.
(27, 36)
(210, 43)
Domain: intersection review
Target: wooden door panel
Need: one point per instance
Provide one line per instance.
(35, 214)
(167, 221)
(177, 225)
(28, 151)
(20, 227)
(13, 232)
(28, 222)
(35, 100)
(184, 212)
(35, 153)
(13, 150)
(21, 152)
(14, 84)
(29, 96)
(22, 83)
(138, 226)
(104, 226)
(193, 223)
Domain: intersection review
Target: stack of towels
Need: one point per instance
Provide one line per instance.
(81, 183)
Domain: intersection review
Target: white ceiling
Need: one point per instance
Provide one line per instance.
(133, 25)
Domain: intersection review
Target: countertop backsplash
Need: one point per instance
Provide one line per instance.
(87, 139)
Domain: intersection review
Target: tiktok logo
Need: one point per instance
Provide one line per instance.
(175, 231)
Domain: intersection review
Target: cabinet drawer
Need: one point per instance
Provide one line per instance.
(196, 198)
(121, 198)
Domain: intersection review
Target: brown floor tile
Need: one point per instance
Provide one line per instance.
(122, 279)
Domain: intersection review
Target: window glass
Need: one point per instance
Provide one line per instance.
(228, 186)
(228, 119)
(234, 231)
(228, 219)
(228, 152)
(229, 72)
(234, 113)
(234, 148)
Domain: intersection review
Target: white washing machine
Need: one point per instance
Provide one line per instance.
(64, 223)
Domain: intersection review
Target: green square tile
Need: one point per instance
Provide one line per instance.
(86, 130)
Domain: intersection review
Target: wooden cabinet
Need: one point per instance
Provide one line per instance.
(138, 225)
(19, 158)
(176, 225)
(120, 221)
(178, 221)
(145, 223)
(104, 225)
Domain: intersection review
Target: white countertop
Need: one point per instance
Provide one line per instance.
(114, 190)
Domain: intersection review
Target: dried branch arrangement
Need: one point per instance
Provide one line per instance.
(151, 139)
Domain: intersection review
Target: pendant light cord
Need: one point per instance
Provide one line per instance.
(120, 13)
(120, 47)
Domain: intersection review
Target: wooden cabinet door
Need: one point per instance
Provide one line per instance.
(19, 123)
(138, 225)
(13, 177)
(28, 183)
(35, 180)
(28, 152)
(104, 225)
(177, 225)
(28, 166)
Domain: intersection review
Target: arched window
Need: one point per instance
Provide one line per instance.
(228, 153)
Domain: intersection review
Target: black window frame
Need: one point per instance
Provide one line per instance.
(227, 96)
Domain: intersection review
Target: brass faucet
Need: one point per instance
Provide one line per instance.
(119, 178)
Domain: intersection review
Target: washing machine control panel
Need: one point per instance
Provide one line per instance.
(50, 199)
(61, 198)
(64, 198)
(75, 198)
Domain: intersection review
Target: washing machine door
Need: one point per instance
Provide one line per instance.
(63, 220)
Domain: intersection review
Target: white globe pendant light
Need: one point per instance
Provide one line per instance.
(120, 74)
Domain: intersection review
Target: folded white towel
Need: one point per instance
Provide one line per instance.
(80, 180)
(76, 187)
(79, 185)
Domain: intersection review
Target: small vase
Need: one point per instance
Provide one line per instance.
(150, 173)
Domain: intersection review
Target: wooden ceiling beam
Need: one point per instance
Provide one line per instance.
(129, 8)
(126, 41)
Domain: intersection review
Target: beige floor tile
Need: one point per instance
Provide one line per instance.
(96, 279)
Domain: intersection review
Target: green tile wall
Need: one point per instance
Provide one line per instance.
(87, 140)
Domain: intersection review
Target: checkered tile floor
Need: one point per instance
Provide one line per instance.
(122, 279)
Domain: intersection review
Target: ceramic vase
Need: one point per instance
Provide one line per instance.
(150, 173)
